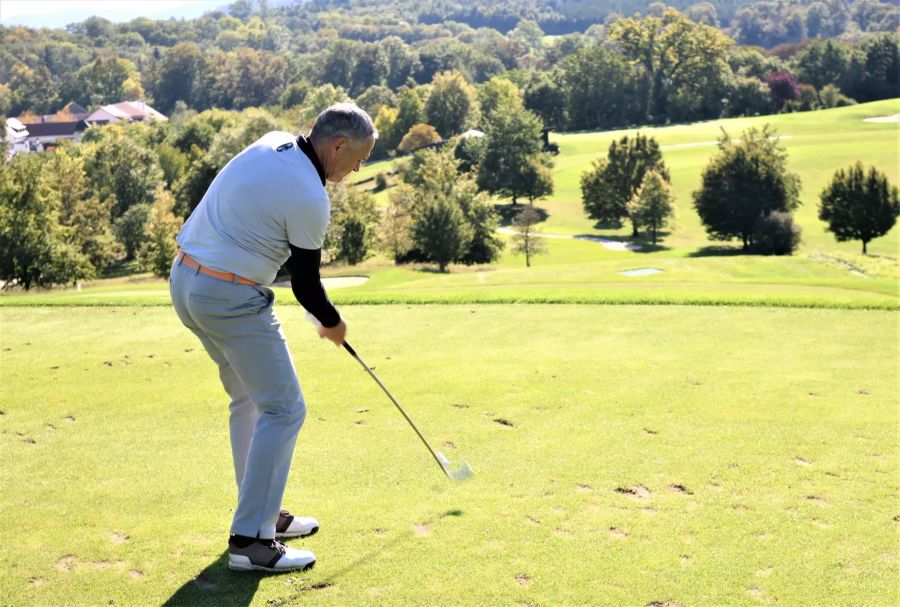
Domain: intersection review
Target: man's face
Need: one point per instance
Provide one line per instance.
(345, 157)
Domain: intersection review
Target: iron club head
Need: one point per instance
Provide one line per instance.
(462, 472)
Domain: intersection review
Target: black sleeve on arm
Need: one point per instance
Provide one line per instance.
(307, 285)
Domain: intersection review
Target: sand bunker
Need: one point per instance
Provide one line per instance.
(640, 272)
(892, 118)
(612, 245)
(333, 282)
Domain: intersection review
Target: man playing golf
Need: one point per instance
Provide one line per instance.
(267, 206)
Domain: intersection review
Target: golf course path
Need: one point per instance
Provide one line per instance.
(612, 245)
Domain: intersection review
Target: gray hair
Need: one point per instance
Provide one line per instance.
(343, 120)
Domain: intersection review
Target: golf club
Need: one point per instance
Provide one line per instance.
(462, 472)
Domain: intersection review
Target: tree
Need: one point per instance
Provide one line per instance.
(776, 234)
(823, 62)
(32, 89)
(545, 96)
(746, 180)
(401, 61)
(85, 220)
(439, 230)
(418, 137)
(435, 176)
(497, 92)
(131, 228)
(159, 247)
(537, 180)
(177, 76)
(351, 234)
(33, 251)
(527, 240)
(676, 56)
(410, 112)
(370, 68)
(652, 206)
(336, 67)
(396, 223)
(121, 166)
(859, 205)
(250, 78)
(105, 80)
(607, 188)
(320, 98)
(452, 105)
(599, 89)
(512, 140)
(784, 88)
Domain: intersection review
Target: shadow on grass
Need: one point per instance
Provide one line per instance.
(217, 585)
(719, 251)
(508, 212)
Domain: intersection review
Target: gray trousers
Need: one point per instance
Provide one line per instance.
(238, 328)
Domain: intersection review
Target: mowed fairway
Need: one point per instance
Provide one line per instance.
(624, 455)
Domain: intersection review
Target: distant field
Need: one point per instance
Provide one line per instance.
(817, 143)
(624, 455)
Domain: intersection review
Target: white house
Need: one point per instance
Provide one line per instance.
(16, 136)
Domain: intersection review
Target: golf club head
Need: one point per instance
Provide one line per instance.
(462, 472)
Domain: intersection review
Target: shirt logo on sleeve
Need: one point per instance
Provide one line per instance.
(284, 146)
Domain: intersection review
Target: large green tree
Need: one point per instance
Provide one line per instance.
(599, 89)
(677, 58)
(177, 76)
(513, 140)
(33, 249)
(612, 182)
(119, 164)
(452, 105)
(653, 205)
(859, 205)
(746, 180)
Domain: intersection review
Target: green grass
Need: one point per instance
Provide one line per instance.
(781, 424)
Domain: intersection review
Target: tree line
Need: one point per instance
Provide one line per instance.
(657, 67)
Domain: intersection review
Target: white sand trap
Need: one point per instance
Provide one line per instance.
(641, 272)
(340, 282)
(893, 118)
(612, 245)
(333, 282)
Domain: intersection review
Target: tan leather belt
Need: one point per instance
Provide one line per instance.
(226, 276)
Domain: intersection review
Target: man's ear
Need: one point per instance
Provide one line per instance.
(340, 143)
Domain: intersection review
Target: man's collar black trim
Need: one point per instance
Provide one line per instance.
(307, 148)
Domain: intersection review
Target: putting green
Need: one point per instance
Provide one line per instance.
(624, 455)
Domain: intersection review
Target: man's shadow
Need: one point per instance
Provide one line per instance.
(218, 586)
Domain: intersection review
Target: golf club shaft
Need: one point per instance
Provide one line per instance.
(350, 349)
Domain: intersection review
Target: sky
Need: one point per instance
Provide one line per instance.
(59, 13)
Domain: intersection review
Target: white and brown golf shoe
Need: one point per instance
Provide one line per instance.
(289, 525)
(266, 555)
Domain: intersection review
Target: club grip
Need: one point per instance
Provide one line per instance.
(350, 349)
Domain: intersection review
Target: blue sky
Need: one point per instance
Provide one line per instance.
(58, 13)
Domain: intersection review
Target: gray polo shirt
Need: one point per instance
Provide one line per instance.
(267, 197)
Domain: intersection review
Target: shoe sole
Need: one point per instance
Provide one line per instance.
(279, 536)
(252, 567)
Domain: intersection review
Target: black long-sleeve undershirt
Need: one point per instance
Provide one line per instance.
(307, 285)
